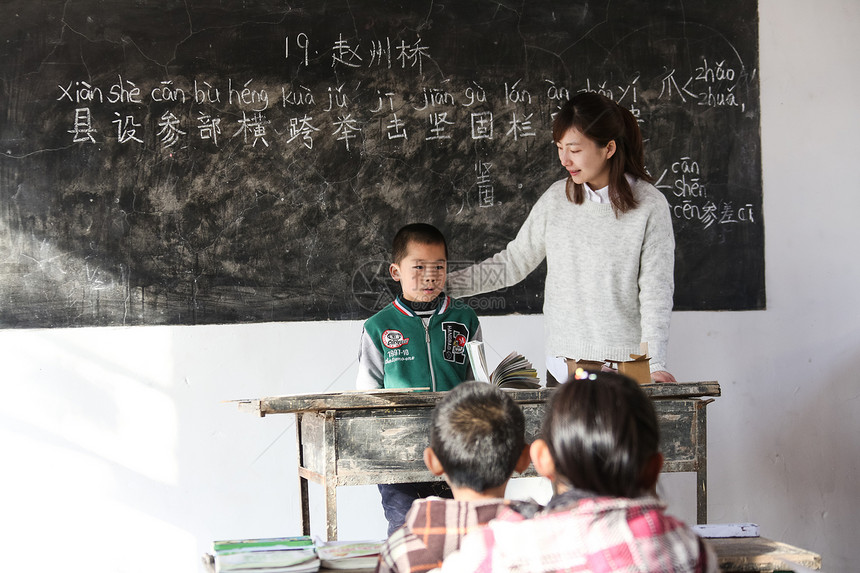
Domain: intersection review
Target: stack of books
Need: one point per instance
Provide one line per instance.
(349, 554)
(272, 555)
(290, 555)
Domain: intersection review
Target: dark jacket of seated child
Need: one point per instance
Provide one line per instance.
(477, 441)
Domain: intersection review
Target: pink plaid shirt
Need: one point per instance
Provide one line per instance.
(596, 535)
(434, 528)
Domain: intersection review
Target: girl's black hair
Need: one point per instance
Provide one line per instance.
(601, 430)
(602, 120)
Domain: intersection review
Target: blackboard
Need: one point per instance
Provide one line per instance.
(191, 162)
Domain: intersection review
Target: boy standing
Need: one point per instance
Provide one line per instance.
(477, 441)
(417, 341)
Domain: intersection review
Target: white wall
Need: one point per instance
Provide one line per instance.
(120, 454)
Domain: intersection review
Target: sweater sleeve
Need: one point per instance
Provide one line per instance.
(657, 283)
(479, 334)
(510, 266)
(371, 375)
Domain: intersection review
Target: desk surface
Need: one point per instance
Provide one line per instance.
(400, 398)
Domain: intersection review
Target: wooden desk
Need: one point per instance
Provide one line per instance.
(363, 438)
(761, 554)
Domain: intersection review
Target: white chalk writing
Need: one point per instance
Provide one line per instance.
(302, 127)
(346, 129)
(258, 99)
(208, 127)
(255, 126)
(486, 195)
(482, 125)
(170, 130)
(302, 43)
(692, 202)
(439, 122)
(126, 128)
(475, 95)
(83, 126)
(396, 128)
(166, 92)
(521, 127)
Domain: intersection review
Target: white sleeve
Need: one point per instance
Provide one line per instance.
(657, 284)
(370, 365)
(510, 266)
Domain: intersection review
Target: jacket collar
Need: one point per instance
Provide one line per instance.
(441, 308)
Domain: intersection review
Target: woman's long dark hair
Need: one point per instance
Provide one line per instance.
(602, 120)
(601, 431)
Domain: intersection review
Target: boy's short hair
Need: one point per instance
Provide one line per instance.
(478, 434)
(422, 233)
(601, 429)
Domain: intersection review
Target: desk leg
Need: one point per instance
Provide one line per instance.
(306, 509)
(331, 476)
(331, 512)
(702, 461)
(303, 483)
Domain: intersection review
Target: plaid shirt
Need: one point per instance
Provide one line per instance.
(594, 535)
(434, 528)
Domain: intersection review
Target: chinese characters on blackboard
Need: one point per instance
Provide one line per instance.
(262, 116)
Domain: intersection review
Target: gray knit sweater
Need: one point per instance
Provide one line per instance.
(609, 280)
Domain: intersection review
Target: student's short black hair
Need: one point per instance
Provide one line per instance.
(601, 430)
(478, 433)
(422, 233)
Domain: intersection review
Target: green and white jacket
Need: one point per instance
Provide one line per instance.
(400, 350)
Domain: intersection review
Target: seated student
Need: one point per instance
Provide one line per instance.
(476, 441)
(417, 341)
(599, 447)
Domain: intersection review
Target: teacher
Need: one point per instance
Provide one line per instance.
(606, 234)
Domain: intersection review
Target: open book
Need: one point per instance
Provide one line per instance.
(514, 371)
